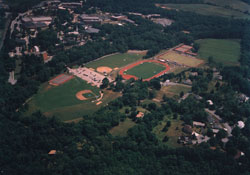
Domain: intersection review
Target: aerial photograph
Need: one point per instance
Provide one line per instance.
(124, 87)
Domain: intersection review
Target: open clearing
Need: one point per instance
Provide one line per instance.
(145, 70)
(122, 128)
(172, 91)
(115, 61)
(174, 131)
(61, 100)
(234, 4)
(205, 9)
(223, 51)
(181, 59)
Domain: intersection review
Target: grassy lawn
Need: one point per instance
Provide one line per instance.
(172, 91)
(63, 95)
(89, 95)
(145, 70)
(182, 59)
(205, 9)
(122, 128)
(116, 60)
(224, 51)
(172, 132)
(234, 4)
(62, 102)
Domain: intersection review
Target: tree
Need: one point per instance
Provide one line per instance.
(155, 83)
(105, 83)
(181, 94)
(210, 132)
(236, 131)
(168, 123)
(152, 94)
(196, 47)
(221, 134)
(165, 139)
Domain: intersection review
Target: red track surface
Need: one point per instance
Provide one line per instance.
(127, 77)
(60, 79)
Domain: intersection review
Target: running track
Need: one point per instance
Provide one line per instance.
(127, 77)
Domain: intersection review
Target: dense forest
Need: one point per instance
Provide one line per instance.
(87, 147)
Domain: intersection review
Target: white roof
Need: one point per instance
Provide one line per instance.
(41, 18)
(241, 124)
(210, 102)
(198, 123)
(36, 48)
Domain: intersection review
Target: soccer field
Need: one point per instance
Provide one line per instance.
(223, 51)
(116, 60)
(145, 70)
(181, 59)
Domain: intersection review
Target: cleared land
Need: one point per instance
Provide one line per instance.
(122, 128)
(145, 70)
(223, 51)
(116, 60)
(181, 59)
(205, 9)
(61, 100)
(174, 131)
(172, 91)
(234, 4)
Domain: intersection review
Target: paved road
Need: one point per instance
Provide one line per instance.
(213, 113)
(5, 30)
(18, 22)
(226, 125)
(177, 84)
(229, 129)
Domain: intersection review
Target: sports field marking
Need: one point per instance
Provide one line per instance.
(81, 95)
(123, 72)
(181, 59)
(115, 60)
(104, 69)
(60, 79)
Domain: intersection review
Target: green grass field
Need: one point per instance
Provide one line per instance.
(205, 9)
(145, 70)
(223, 51)
(113, 61)
(63, 95)
(89, 95)
(182, 59)
(172, 91)
(234, 4)
(172, 132)
(122, 128)
(62, 102)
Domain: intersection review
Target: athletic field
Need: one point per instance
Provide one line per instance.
(145, 70)
(181, 59)
(223, 51)
(210, 10)
(61, 100)
(234, 4)
(115, 61)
